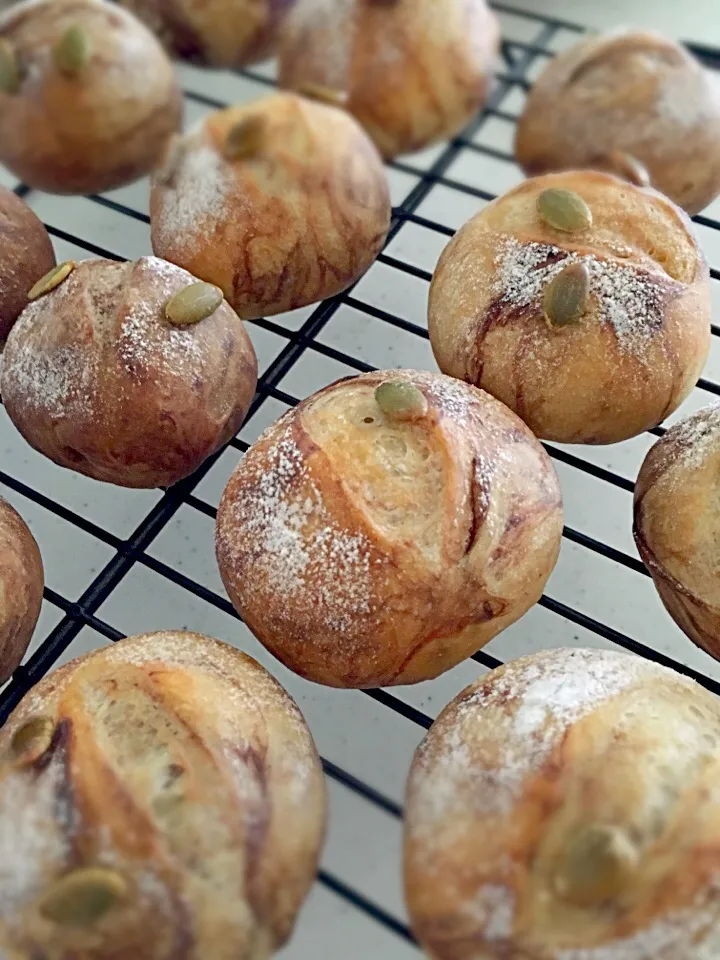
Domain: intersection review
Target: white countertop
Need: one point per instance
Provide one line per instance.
(697, 20)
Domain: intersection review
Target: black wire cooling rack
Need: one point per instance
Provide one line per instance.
(391, 723)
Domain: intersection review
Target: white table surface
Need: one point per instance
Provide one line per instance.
(352, 730)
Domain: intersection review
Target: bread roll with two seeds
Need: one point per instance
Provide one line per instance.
(387, 528)
(564, 807)
(159, 798)
(579, 300)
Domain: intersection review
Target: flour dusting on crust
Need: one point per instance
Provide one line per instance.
(628, 297)
(302, 553)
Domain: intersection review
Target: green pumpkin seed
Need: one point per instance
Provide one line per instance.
(83, 897)
(193, 304)
(565, 296)
(564, 210)
(401, 400)
(9, 70)
(315, 91)
(52, 279)
(597, 866)
(32, 739)
(73, 50)
(246, 138)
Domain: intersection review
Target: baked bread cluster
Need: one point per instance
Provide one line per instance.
(132, 373)
(219, 33)
(411, 71)
(21, 588)
(26, 255)
(387, 528)
(677, 524)
(563, 808)
(280, 203)
(631, 102)
(88, 98)
(161, 797)
(578, 299)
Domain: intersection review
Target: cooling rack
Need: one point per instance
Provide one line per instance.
(125, 561)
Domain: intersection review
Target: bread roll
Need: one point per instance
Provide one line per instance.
(411, 71)
(21, 588)
(629, 93)
(677, 525)
(97, 378)
(219, 33)
(580, 301)
(159, 798)
(563, 807)
(281, 203)
(26, 254)
(88, 98)
(387, 528)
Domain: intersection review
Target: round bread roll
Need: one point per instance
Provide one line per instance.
(97, 378)
(387, 528)
(626, 97)
(21, 588)
(677, 526)
(281, 203)
(563, 807)
(88, 98)
(411, 71)
(219, 33)
(159, 798)
(580, 301)
(26, 255)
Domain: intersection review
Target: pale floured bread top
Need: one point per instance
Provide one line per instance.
(677, 505)
(335, 498)
(367, 544)
(520, 765)
(180, 761)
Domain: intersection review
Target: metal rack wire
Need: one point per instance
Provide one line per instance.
(538, 38)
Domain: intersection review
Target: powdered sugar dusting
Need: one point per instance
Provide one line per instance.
(676, 935)
(533, 702)
(300, 551)
(147, 338)
(688, 444)
(195, 200)
(59, 382)
(31, 843)
(333, 23)
(629, 298)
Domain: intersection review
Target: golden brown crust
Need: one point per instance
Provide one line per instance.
(219, 33)
(631, 91)
(26, 255)
(562, 753)
(414, 71)
(179, 763)
(21, 588)
(97, 379)
(364, 551)
(677, 524)
(100, 129)
(299, 220)
(644, 334)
